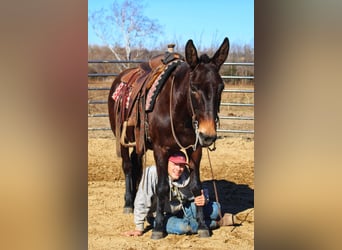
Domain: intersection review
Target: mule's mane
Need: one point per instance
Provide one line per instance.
(204, 58)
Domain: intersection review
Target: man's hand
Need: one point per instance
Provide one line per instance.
(200, 200)
(133, 233)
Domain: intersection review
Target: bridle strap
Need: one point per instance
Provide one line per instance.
(195, 123)
(193, 117)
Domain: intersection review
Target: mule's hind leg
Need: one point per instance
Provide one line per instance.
(136, 171)
(132, 168)
(127, 169)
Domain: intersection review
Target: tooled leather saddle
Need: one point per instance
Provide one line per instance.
(131, 94)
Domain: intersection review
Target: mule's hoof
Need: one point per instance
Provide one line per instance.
(128, 210)
(203, 233)
(156, 235)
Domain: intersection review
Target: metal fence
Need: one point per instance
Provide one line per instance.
(225, 128)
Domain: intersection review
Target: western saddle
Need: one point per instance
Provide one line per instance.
(130, 104)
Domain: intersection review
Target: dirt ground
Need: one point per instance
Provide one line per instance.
(233, 174)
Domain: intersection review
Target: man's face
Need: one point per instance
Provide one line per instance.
(175, 170)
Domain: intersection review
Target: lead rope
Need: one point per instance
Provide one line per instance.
(195, 123)
(214, 184)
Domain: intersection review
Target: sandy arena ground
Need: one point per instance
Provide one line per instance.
(233, 170)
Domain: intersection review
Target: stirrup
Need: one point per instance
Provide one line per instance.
(123, 135)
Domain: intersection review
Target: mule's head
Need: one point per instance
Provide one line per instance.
(206, 86)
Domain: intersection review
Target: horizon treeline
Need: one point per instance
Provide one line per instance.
(237, 54)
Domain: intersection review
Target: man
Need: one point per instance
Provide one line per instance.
(181, 208)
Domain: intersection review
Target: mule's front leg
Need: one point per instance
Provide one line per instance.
(203, 230)
(163, 190)
(195, 160)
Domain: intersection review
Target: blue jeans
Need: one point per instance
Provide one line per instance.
(185, 222)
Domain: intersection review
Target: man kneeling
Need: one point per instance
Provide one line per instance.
(181, 207)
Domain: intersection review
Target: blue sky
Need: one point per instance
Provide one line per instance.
(207, 21)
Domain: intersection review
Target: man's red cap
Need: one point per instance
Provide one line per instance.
(178, 158)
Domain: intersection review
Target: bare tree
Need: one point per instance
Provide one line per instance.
(124, 26)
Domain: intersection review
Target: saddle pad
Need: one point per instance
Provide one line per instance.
(159, 83)
(118, 92)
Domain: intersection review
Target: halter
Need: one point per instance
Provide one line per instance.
(193, 117)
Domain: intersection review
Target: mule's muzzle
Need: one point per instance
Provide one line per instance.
(206, 140)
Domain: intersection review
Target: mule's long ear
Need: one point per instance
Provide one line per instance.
(191, 54)
(221, 54)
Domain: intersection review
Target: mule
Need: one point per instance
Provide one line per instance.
(184, 117)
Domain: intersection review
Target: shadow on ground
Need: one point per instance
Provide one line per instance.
(234, 198)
